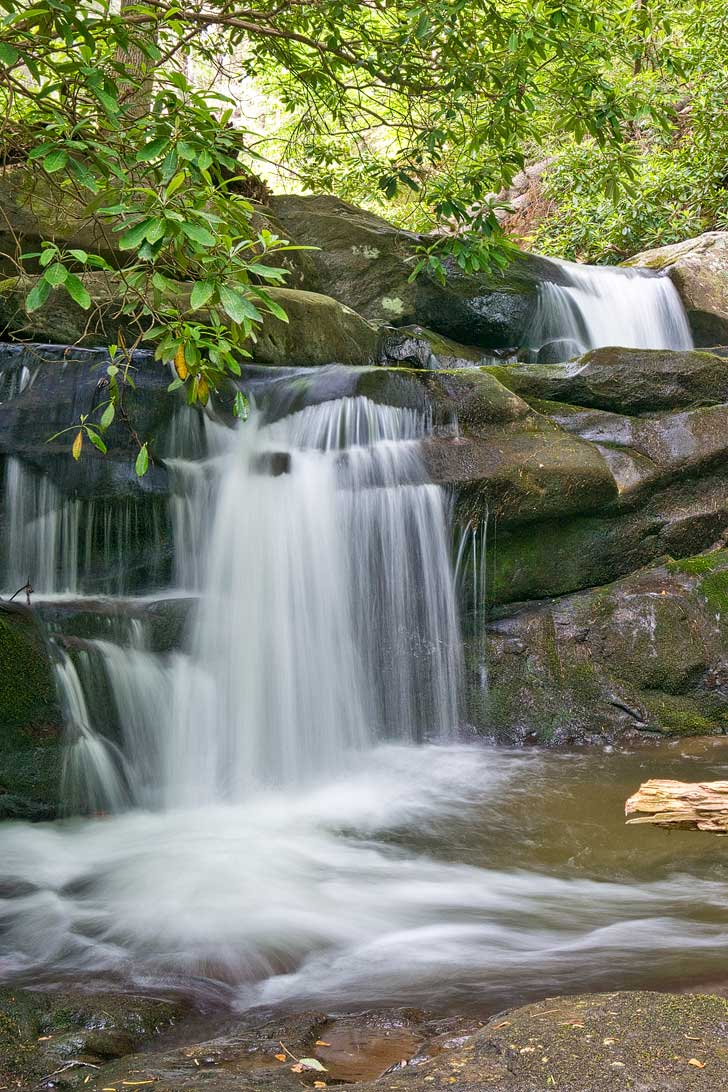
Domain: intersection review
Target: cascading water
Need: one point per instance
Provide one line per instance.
(273, 830)
(600, 306)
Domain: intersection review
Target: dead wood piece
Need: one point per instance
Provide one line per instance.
(681, 805)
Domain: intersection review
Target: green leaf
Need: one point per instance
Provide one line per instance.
(200, 294)
(97, 441)
(8, 55)
(142, 461)
(152, 150)
(56, 161)
(156, 230)
(237, 307)
(241, 406)
(179, 180)
(80, 256)
(76, 290)
(107, 416)
(135, 236)
(49, 255)
(56, 274)
(37, 295)
(313, 1063)
(198, 234)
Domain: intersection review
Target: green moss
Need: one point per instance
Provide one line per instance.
(703, 563)
(715, 589)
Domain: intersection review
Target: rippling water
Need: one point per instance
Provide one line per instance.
(434, 875)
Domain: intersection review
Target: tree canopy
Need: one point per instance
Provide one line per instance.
(429, 107)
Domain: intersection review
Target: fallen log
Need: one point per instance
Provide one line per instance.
(680, 805)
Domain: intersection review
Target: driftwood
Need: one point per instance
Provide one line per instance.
(680, 805)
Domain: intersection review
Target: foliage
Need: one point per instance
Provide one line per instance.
(674, 182)
(429, 106)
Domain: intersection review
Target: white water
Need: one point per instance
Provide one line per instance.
(602, 306)
(274, 831)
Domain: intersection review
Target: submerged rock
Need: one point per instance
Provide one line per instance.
(646, 653)
(699, 270)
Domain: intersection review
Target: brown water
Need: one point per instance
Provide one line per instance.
(451, 878)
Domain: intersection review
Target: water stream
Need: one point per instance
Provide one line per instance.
(289, 809)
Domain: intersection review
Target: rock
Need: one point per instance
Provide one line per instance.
(646, 653)
(699, 270)
(30, 721)
(70, 1034)
(366, 263)
(416, 347)
(624, 380)
(653, 1042)
(643, 452)
(319, 331)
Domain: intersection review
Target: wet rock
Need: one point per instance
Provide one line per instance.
(30, 721)
(626, 381)
(600, 1043)
(416, 347)
(646, 653)
(60, 1038)
(366, 263)
(699, 270)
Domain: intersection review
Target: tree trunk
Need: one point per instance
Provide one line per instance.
(681, 805)
(137, 96)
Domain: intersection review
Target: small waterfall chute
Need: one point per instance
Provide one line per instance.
(595, 306)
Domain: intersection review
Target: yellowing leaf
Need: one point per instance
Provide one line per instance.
(77, 445)
(321, 1042)
(697, 1063)
(180, 363)
(280, 1057)
(203, 391)
(297, 1068)
(319, 1084)
(313, 1063)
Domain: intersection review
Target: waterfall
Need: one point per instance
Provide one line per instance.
(328, 619)
(599, 306)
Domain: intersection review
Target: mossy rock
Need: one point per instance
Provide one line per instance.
(647, 653)
(628, 381)
(30, 721)
(42, 1032)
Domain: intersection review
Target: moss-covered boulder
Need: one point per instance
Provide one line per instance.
(648, 653)
(30, 721)
(366, 262)
(70, 1034)
(320, 330)
(699, 270)
(626, 381)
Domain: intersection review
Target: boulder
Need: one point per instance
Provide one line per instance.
(699, 270)
(320, 330)
(627, 381)
(366, 263)
(46, 1032)
(30, 720)
(416, 347)
(647, 653)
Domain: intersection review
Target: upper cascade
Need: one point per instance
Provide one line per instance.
(599, 306)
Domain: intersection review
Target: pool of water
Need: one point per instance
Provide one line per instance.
(443, 876)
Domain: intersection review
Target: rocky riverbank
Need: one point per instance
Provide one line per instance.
(588, 1043)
